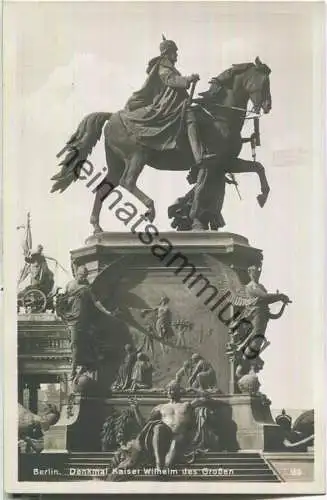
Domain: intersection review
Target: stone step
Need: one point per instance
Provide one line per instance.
(246, 478)
(205, 470)
(210, 466)
(97, 466)
(243, 465)
(227, 455)
(199, 458)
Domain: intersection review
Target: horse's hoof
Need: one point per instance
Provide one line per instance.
(149, 215)
(262, 198)
(97, 229)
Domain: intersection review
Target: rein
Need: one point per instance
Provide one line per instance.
(235, 108)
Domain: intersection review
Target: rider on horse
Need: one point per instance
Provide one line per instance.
(154, 114)
(151, 131)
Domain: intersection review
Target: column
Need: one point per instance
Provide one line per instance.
(33, 387)
(21, 386)
(26, 396)
(231, 359)
(63, 379)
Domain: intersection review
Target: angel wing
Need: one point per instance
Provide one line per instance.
(107, 281)
(228, 281)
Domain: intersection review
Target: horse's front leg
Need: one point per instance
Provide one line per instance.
(238, 166)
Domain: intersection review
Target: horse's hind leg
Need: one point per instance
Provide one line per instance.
(112, 179)
(133, 169)
(238, 166)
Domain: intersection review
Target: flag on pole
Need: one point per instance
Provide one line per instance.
(27, 243)
(27, 247)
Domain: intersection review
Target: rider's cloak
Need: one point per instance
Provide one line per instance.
(153, 114)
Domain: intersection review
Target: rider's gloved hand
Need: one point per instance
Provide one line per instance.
(194, 78)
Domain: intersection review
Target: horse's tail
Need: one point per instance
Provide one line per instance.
(78, 148)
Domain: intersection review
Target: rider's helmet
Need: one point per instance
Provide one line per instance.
(167, 45)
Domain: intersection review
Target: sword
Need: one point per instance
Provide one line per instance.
(233, 181)
(255, 137)
(256, 125)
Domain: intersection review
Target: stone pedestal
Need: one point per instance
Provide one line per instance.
(174, 266)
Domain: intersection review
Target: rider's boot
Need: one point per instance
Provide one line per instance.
(196, 145)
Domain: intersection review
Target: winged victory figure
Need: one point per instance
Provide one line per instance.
(251, 308)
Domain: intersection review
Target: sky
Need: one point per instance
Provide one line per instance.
(71, 59)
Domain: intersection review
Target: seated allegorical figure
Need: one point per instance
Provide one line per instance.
(184, 372)
(124, 377)
(142, 373)
(175, 432)
(165, 436)
(203, 375)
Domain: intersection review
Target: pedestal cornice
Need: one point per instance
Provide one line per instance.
(117, 243)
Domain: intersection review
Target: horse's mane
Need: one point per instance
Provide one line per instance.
(227, 76)
(224, 80)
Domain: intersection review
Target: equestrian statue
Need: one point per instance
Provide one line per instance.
(164, 127)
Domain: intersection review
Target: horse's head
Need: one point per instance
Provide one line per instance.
(244, 81)
(256, 83)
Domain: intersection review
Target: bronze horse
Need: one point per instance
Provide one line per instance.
(221, 112)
